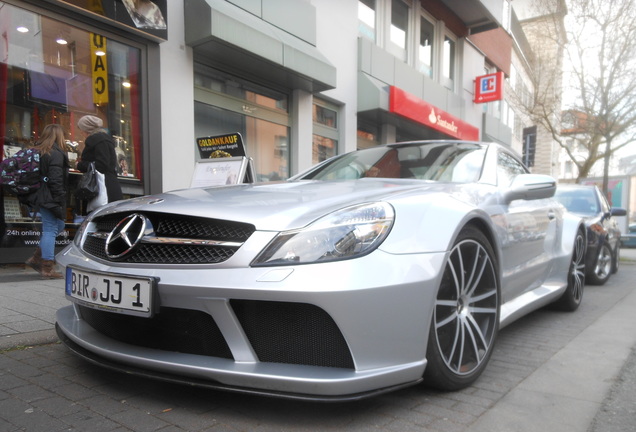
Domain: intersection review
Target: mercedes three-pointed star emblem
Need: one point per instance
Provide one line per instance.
(126, 235)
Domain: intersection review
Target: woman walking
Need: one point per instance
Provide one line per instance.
(50, 198)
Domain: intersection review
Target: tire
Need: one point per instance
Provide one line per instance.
(617, 259)
(571, 298)
(602, 269)
(465, 320)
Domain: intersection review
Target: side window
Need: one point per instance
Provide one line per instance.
(605, 207)
(508, 168)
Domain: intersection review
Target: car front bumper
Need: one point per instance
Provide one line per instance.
(381, 304)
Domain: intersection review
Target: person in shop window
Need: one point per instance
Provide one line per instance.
(99, 147)
(50, 199)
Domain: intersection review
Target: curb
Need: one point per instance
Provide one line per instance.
(42, 337)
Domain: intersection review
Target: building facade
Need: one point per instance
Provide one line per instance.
(300, 80)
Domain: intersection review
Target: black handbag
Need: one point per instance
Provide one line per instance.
(88, 187)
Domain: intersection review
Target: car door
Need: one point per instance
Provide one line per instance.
(531, 234)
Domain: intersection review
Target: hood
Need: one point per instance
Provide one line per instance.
(274, 206)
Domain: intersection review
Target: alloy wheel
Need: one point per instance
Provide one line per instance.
(466, 311)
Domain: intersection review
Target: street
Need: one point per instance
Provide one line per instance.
(550, 371)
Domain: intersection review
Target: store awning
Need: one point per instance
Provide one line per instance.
(226, 36)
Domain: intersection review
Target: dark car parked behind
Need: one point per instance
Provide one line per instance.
(603, 235)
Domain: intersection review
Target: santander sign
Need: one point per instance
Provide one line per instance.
(414, 108)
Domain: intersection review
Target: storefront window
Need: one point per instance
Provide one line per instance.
(55, 73)
(325, 137)
(368, 134)
(225, 104)
(52, 72)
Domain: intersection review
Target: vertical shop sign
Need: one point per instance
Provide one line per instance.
(99, 68)
(489, 87)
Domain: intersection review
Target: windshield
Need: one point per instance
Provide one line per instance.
(447, 162)
(582, 201)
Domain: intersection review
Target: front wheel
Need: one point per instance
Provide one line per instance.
(465, 320)
(603, 268)
(571, 298)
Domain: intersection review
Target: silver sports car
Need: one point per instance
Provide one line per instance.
(372, 271)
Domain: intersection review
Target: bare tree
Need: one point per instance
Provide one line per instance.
(599, 85)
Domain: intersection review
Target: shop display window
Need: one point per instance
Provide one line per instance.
(225, 104)
(53, 72)
(326, 134)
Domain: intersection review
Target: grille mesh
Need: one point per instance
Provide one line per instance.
(279, 332)
(293, 333)
(178, 227)
(172, 329)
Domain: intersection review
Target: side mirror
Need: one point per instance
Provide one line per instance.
(617, 211)
(530, 187)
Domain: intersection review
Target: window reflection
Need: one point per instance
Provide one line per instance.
(266, 142)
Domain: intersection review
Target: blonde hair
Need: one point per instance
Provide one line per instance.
(51, 134)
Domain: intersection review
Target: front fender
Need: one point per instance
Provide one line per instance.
(571, 224)
(431, 224)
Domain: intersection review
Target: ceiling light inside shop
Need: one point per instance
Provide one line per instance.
(100, 53)
(61, 40)
(22, 29)
(126, 84)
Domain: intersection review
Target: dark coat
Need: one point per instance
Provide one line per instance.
(53, 192)
(100, 148)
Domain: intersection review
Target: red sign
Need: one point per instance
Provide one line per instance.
(414, 108)
(489, 87)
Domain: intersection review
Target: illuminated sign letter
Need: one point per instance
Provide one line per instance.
(99, 68)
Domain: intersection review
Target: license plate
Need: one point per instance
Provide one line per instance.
(111, 292)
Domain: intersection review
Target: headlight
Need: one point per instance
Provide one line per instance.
(79, 234)
(344, 234)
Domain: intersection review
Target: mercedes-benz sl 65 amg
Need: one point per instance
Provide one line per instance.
(374, 270)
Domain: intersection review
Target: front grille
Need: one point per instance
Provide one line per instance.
(172, 329)
(180, 228)
(293, 333)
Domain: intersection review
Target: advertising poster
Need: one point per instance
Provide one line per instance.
(218, 172)
(219, 146)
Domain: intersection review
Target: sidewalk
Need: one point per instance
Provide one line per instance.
(27, 307)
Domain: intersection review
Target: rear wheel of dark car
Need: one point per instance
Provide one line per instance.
(466, 317)
(602, 270)
(571, 298)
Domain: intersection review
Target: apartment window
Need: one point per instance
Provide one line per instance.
(404, 29)
(513, 77)
(325, 136)
(399, 23)
(448, 63)
(367, 18)
(425, 51)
